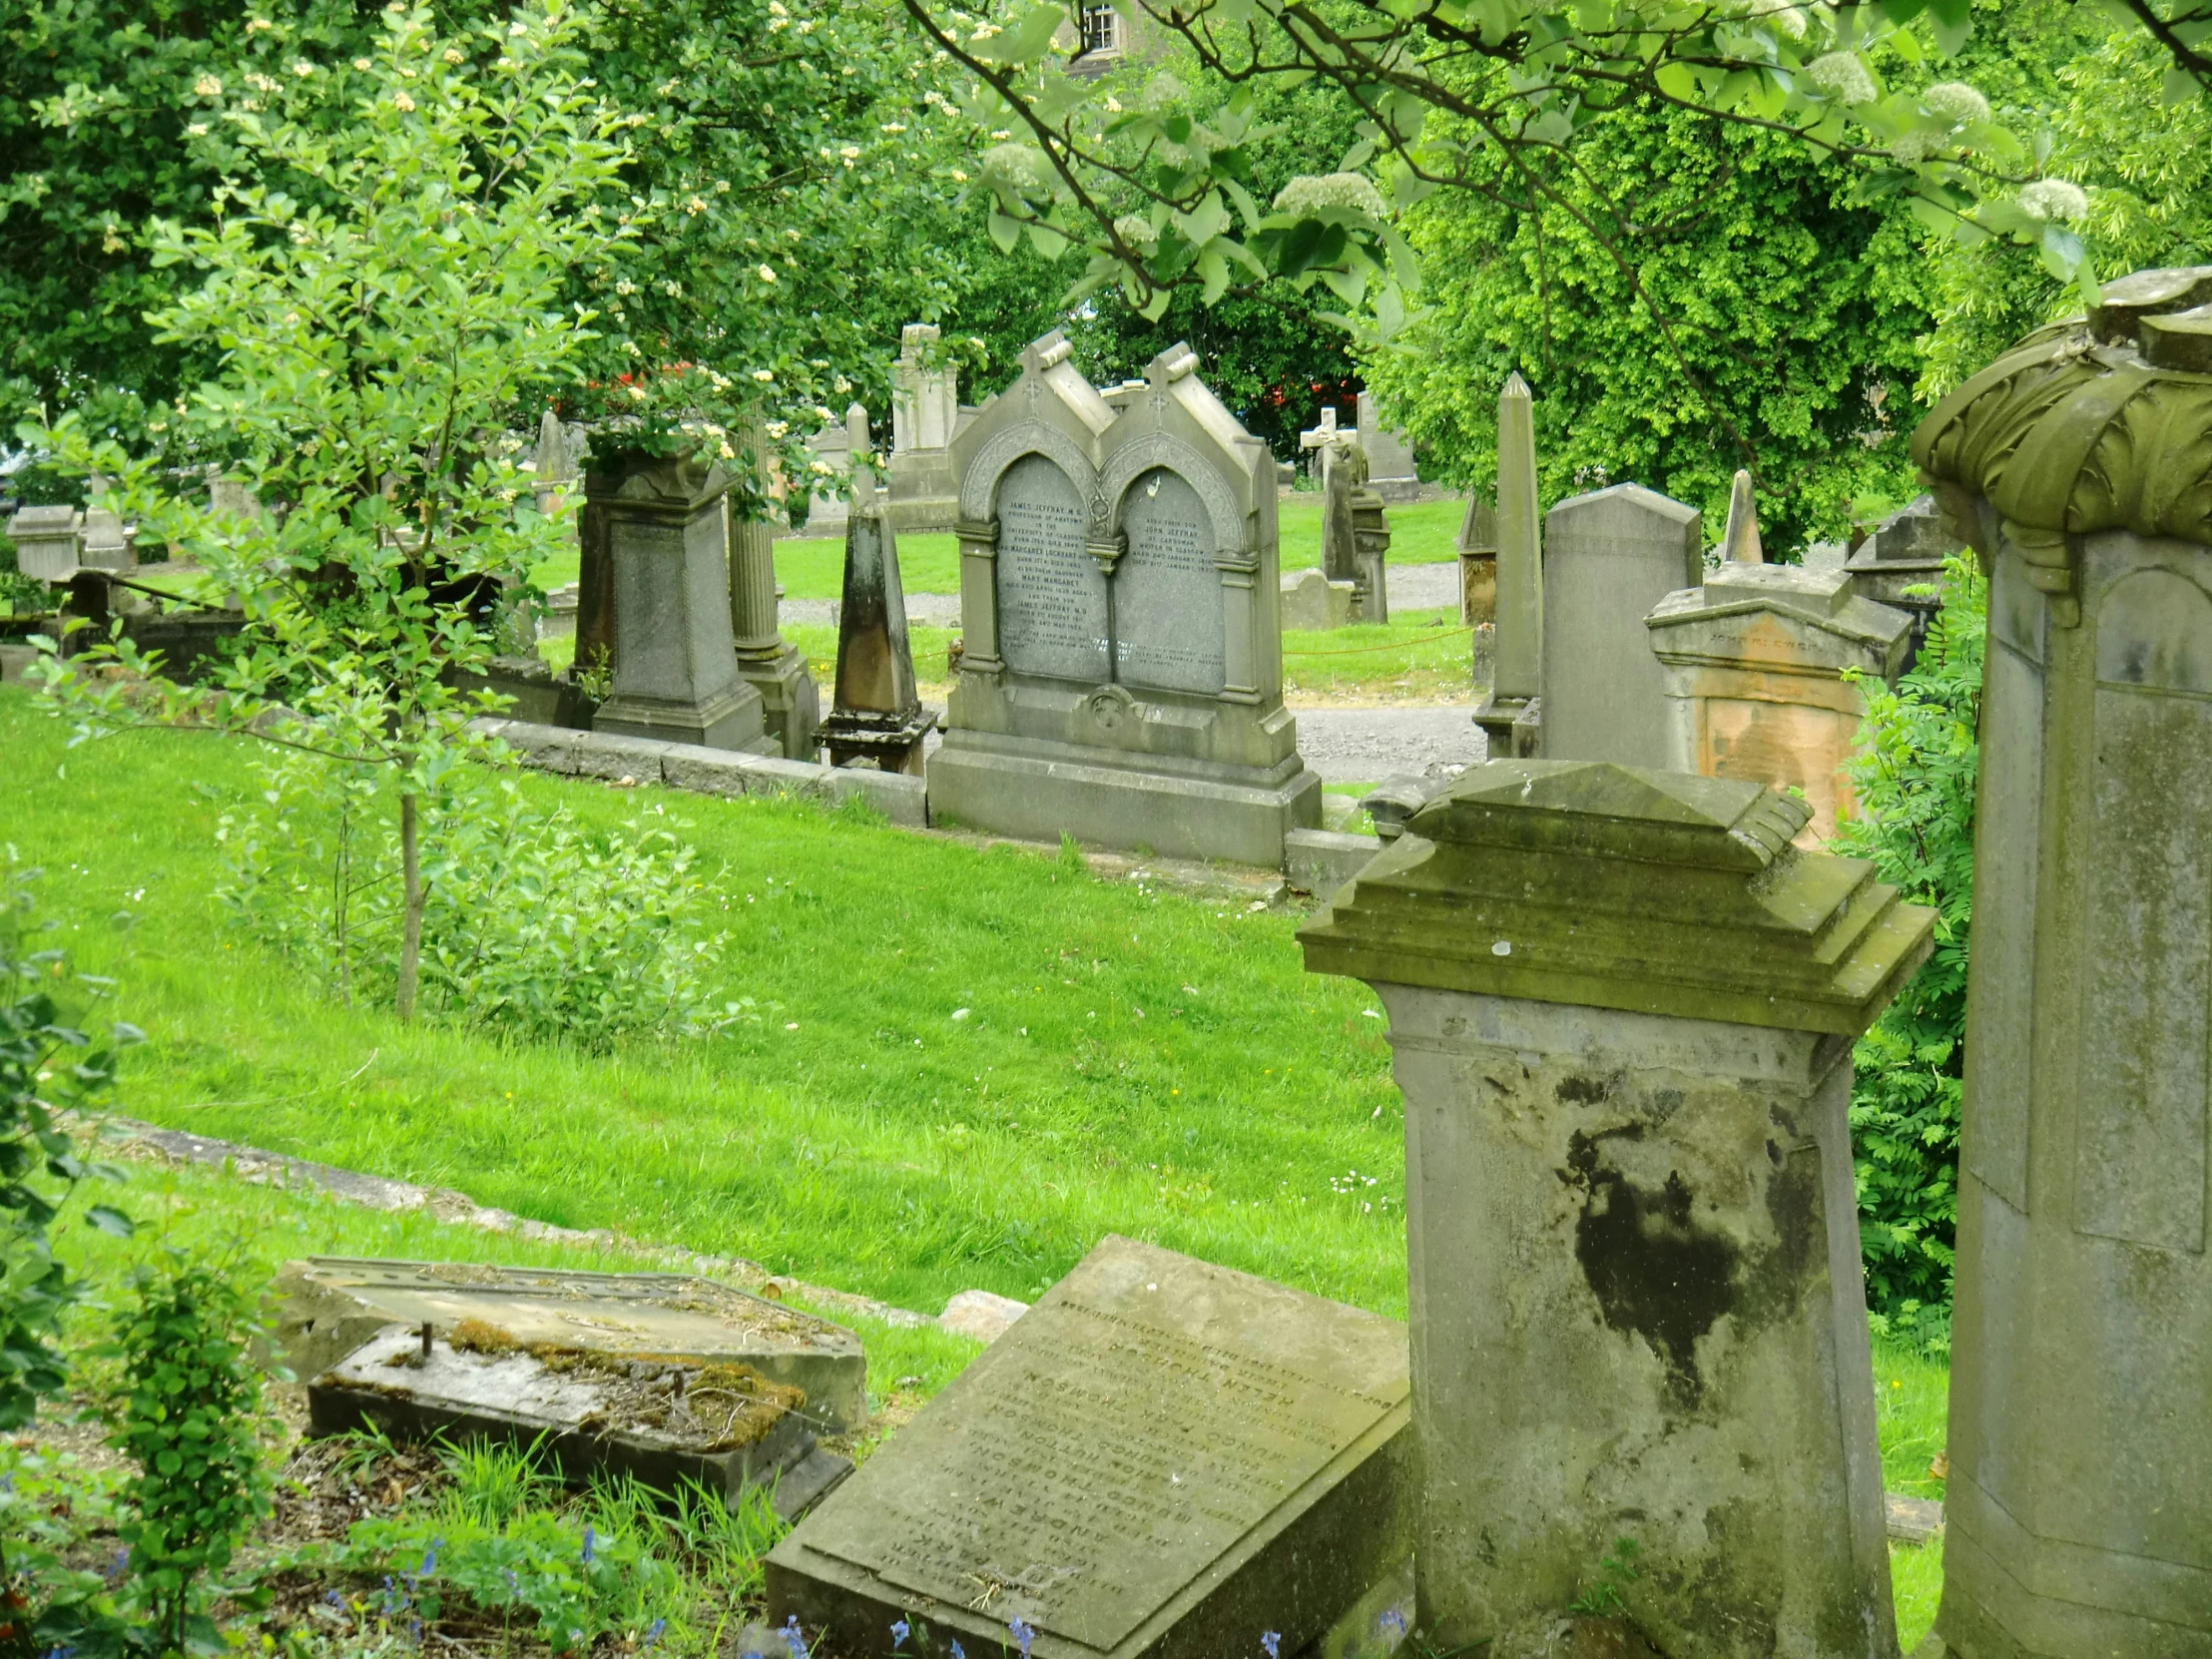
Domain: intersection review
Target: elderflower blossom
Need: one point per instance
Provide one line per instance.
(820, 466)
(1136, 230)
(302, 69)
(1310, 194)
(2056, 200)
(452, 54)
(766, 274)
(1842, 76)
(895, 126)
(255, 26)
(198, 128)
(1956, 103)
(694, 204)
(1013, 167)
(850, 152)
(765, 376)
(208, 87)
(777, 429)
(361, 63)
(401, 101)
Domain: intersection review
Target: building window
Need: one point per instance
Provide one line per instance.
(1101, 29)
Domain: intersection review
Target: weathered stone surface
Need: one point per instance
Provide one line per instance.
(1161, 1457)
(1512, 717)
(1120, 673)
(1753, 663)
(1609, 558)
(1311, 601)
(2078, 1513)
(47, 541)
(660, 1419)
(1477, 545)
(1901, 565)
(790, 703)
(334, 1303)
(981, 1315)
(1321, 860)
(1389, 457)
(1622, 1007)
(878, 714)
(1911, 1520)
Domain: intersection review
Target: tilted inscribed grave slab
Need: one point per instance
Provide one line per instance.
(334, 1303)
(1166, 591)
(1140, 1438)
(1051, 593)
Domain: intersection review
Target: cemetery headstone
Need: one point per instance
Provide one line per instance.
(46, 540)
(1332, 450)
(1159, 1458)
(1740, 538)
(2078, 1512)
(1312, 601)
(791, 705)
(1901, 565)
(330, 1305)
(1370, 537)
(1622, 1006)
(1391, 472)
(659, 1419)
(1609, 558)
(834, 448)
(1753, 665)
(664, 545)
(878, 714)
(925, 417)
(103, 543)
(1122, 675)
(1477, 545)
(554, 468)
(1511, 715)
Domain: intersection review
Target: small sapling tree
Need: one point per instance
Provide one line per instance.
(385, 293)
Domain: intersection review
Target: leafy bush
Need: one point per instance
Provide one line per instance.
(190, 1415)
(531, 924)
(1914, 778)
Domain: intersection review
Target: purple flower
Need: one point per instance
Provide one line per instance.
(1393, 1620)
(1022, 1636)
(899, 1633)
(653, 1631)
(589, 1535)
(958, 1652)
(1271, 1641)
(792, 1639)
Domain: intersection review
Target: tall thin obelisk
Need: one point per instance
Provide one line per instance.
(1511, 717)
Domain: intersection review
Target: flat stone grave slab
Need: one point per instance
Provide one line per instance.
(663, 1420)
(1162, 1458)
(334, 1303)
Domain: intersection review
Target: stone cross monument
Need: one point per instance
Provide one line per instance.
(2078, 466)
(1622, 1006)
(1512, 717)
(1121, 679)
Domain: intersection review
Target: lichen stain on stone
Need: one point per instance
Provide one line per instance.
(1582, 1091)
(1655, 1272)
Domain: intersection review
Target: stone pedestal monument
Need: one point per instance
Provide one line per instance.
(791, 706)
(1753, 667)
(1622, 1006)
(1122, 674)
(1512, 717)
(2079, 1510)
(878, 714)
(1477, 545)
(1609, 558)
(47, 541)
(925, 414)
(1902, 564)
(660, 530)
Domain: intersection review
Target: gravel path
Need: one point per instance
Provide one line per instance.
(1366, 746)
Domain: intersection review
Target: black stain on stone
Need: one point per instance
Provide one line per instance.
(1583, 1091)
(1655, 1272)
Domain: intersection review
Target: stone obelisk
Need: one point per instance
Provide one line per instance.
(1511, 715)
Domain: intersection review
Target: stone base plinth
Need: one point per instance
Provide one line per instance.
(732, 721)
(790, 704)
(1513, 727)
(1188, 810)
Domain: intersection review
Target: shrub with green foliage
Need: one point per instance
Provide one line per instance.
(532, 926)
(1915, 778)
(190, 1415)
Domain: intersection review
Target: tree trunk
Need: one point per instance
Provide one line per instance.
(410, 929)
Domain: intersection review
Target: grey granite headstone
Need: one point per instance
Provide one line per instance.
(1162, 1456)
(1051, 593)
(1610, 557)
(1166, 591)
(330, 1305)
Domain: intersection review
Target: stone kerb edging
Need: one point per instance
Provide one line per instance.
(568, 752)
(133, 1139)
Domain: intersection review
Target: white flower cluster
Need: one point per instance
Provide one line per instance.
(1842, 76)
(2055, 201)
(1956, 103)
(1310, 194)
(1136, 230)
(1015, 166)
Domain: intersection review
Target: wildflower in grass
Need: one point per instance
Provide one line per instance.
(899, 1632)
(958, 1652)
(792, 1639)
(589, 1537)
(1271, 1641)
(1022, 1636)
(653, 1631)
